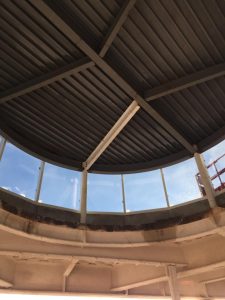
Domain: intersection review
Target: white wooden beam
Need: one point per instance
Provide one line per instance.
(139, 284)
(68, 271)
(39, 183)
(5, 284)
(103, 295)
(164, 188)
(93, 259)
(213, 280)
(180, 274)
(112, 134)
(173, 283)
(123, 195)
(83, 201)
(210, 194)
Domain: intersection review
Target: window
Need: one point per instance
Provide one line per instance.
(210, 156)
(104, 193)
(19, 172)
(181, 182)
(60, 187)
(144, 191)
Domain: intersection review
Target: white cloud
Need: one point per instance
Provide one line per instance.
(7, 188)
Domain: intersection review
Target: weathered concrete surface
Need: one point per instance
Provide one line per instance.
(155, 219)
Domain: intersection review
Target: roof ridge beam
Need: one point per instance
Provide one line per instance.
(55, 19)
(185, 82)
(46, 79)
(116, 26)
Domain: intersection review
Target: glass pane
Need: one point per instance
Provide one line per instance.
(220, 164)
(61, 187)
(214, 153)
(104, 193)
(144, 191)
(181, 182)
(211, 156)
(19, 171)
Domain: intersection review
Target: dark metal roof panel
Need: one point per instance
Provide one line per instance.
(142, 140)
(198, 111)
(159, 42)
(30, 45)
(91, 19)
(164, 40)
(73, 114)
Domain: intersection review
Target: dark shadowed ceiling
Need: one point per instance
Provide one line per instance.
(70, 68)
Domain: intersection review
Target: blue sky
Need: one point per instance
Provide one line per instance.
(61, 187)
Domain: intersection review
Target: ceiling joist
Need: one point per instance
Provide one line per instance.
(116, 26)
(74, 259)
(46, 79)
(185, 82)
(180, 275)
(72, 68)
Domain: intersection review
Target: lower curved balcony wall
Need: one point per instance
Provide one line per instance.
(154, 219)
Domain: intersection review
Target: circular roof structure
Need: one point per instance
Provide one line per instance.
(113, 86)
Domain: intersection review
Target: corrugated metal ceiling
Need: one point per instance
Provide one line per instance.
(159, 42)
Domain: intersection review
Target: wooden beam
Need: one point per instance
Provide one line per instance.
(68, 271)
(46, 79)
(5, 284)
(93, 259)
(112, 134)
(83, 198)
(173, 283)
(180, 275)
(39, 183)
(213, 280)
(104, 66)
(116, 26)
(206, 181)
(70, 267)
(185, 82)
(139, 284)
(102, 295)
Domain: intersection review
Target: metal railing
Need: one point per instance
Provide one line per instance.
(215, 176)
